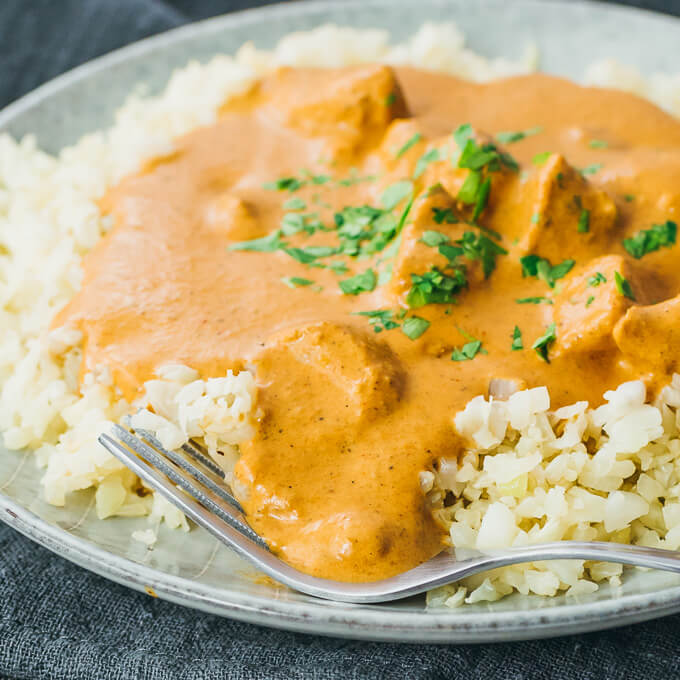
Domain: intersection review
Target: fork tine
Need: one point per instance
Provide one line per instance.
(198, 454)
(181, 478)
(217, 487)
(226, 532)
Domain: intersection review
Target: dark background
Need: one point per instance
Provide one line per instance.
(59, 621)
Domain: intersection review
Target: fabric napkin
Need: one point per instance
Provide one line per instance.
(60, 621)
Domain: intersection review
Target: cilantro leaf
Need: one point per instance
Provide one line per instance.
(434, 238)
(441, 215)
(598, 144)
(482, 198)
(295, 203)
(517, 343)
(467, 352)
(296, 281)
(284, 184)
(533, 265)
(650, 240)
(542, 344)
(380, 319)
(361, 283)
(395, 193)
(516, 136)
(428, 157)
(591, 169)
(623, 286)
(412, 141)
(541, 158)
(414, 326)
(596, 279)
(533, 300)
(435, 287)
(266, 244)
(584, 222)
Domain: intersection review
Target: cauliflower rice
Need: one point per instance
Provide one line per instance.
(529, 475)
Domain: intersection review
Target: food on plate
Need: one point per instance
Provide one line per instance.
(404, 310)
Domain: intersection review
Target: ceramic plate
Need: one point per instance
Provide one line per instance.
(193, 569)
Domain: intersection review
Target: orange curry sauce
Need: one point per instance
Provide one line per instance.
(354, 407)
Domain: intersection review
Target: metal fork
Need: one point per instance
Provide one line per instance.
(196, 485)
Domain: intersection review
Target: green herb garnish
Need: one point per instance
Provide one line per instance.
(590, 300)
(467, 352)
(361, 283)
(413, 327)
(441, 215)
(650, 240)
(516, 136)
(390, 99)
(541, 158)
(542, 344)
(380, 319)
(584, 222)
(533, 265)
(295, 203)
(591, 169)
(623, 286)
(517, 340)
(435, 287)
(598, 144)
(296, 281)
(537, 300)
(395, 193)
(434, 238)
(596, 279)
(428, 157)
(408, 144)
(266, 244)
(284, 184)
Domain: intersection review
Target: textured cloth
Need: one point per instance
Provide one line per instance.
(59, 621)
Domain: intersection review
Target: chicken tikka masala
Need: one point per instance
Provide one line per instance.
(379, 245)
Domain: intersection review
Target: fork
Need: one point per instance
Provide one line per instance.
(192, 482)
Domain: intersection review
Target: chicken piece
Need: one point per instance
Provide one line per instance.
(333, 357)
(562, 209)
(350, 107)
(649, 337)
(589, 305)
(231, 216)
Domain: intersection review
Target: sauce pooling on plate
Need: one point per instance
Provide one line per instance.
(380, 245)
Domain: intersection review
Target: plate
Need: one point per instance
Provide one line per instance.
(192, 569)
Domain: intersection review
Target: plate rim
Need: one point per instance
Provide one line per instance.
(339, 620)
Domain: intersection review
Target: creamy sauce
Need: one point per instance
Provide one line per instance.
(351, 416)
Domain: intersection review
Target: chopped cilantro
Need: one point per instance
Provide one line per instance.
(295, 203)
(435, 287)
(535, 218)
(591, 169)
(380, 319)
(623, 286)
(428, 157)
(533, 300)
(395, 193)
(533, 265)
(468, 191)
(598, 144)
(629, 198)
(413, 327)
(462, 134)
(390, 99)
(296, 281)
(364, 282)
(300, 254)
(542, 344)
(482, 198)
(467, 352)
(590, 300)
(475, 247)
(650, 240)
(584, 222)
(596, 279)
(412, 141)
(320, 179)
(541, 158)
(434, 238)
(284, 184)
(517, 340)
(518, 135)
(266, 244)
(444, 215)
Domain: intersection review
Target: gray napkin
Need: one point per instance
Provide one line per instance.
(59, 621)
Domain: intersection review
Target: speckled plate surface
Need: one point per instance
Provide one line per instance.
(192, 569)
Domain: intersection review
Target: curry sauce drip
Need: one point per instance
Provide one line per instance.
(351, 415)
